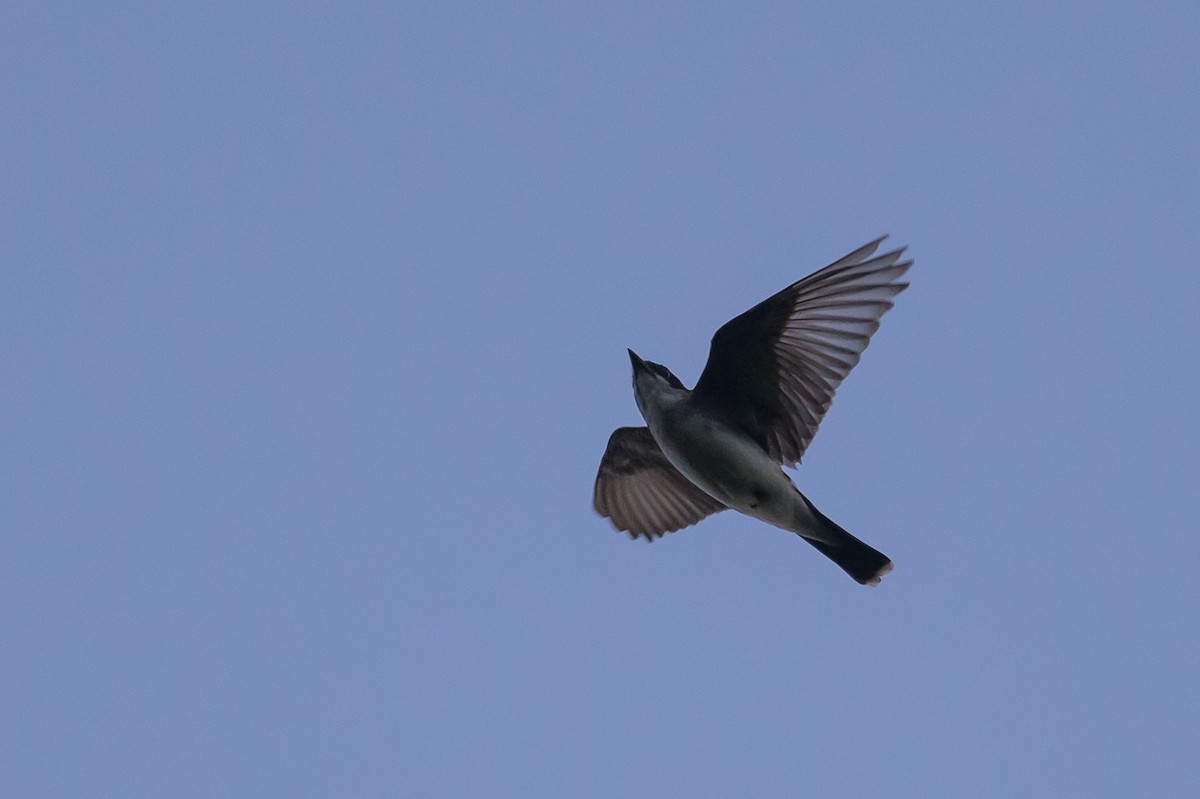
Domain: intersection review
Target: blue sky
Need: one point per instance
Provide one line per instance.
(314, 325)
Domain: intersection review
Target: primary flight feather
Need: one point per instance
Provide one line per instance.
(770, 378)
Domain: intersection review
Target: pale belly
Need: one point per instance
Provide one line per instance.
(729, 466)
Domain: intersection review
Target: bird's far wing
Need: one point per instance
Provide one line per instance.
(774, 369)
(639, 490)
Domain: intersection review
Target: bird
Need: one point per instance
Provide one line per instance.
(770, 377)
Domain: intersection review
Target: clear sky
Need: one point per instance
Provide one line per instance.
(312, 332)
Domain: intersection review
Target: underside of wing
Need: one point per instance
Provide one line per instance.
(774, 369)
(639, 490)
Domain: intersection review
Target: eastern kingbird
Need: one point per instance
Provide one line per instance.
(770, 377)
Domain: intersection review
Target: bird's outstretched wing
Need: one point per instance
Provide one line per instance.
(774, 369)
(641, 492)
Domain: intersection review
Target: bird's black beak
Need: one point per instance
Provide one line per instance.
(638, 363)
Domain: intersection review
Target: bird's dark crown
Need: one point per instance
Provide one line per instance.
(664, 373)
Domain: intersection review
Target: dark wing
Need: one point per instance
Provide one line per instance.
(641, 492)
(774, 369)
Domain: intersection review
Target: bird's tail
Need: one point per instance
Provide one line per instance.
(861, 561)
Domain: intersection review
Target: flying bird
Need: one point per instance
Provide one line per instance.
(770, 378)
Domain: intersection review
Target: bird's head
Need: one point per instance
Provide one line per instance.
(653, 383)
